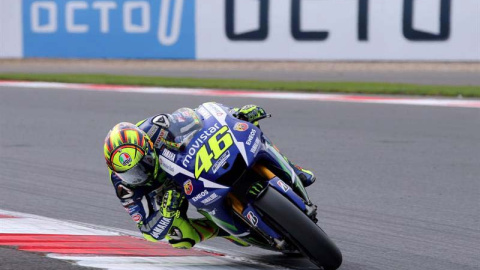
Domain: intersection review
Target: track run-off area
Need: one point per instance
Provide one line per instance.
(397, 177)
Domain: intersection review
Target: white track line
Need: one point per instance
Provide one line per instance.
(438, 102)
(46, 226)
(156, 263)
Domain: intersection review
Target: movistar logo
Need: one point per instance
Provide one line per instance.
(198, 143)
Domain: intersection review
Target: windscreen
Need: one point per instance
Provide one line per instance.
(186, 124)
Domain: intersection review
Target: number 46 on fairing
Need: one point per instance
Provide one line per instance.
(218, 144)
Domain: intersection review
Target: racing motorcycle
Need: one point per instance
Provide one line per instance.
(235, 177)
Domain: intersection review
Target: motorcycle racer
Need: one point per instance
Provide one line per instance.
(146, 191)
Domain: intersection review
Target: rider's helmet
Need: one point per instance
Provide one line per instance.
(129, 152)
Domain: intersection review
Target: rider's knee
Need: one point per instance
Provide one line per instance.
(185, 233)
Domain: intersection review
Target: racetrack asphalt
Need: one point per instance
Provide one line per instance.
(398, 185)
(12, 259)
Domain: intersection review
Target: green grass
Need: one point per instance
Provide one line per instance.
(300, 86)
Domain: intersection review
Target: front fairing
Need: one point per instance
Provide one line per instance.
(217, 152)
(213, 150)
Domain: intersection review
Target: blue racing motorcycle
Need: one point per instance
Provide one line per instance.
(235, 177)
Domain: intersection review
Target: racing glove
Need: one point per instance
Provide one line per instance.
(171, 202)
(251, 113)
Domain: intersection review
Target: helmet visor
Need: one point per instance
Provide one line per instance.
(145, 170)
(137, 175)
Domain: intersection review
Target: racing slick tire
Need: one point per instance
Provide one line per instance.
(309, 238)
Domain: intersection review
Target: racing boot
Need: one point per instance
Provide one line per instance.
(185, 233)
(307, 177)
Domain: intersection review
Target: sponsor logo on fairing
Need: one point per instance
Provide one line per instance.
(252, 218)
(204, 113)
(210, 199)
(168, 168)
(218, 111)
(255, 146)
(200, 195)
(125, 159)
(168, 155)
(221, 161)
(188, 187)
(198, 143)
(251, 136)
(240, 126)
(284, 186)
(165, 166)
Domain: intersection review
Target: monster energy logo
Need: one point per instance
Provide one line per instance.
(255, 189)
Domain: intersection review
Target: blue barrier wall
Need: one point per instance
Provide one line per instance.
(109, 29)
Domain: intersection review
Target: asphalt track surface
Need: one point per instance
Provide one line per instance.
(398, 185)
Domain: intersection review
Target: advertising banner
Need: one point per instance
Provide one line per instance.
(339, 29)
(304, 30)
(11, 44)
(109, 29)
